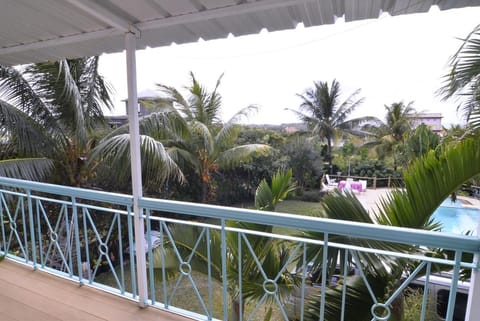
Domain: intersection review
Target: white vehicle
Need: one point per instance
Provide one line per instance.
(439, 292)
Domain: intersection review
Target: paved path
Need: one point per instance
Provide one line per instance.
(371, 197)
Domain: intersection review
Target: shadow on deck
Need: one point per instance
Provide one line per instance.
(35, 295)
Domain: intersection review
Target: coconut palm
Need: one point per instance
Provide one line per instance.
(187, 132)
(211, 145)
(438, 172)
(463, 79)
(388, 136)
(327, 116)
(250, 258)
(48, 112)
(398, 119)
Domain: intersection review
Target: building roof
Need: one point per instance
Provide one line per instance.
(41, 30)
(427, 115)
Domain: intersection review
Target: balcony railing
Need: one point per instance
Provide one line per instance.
(212, 262)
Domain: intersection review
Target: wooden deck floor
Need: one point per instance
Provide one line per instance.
(38, 296)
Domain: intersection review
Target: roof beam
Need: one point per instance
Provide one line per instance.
(105, 15)
(120, 26)
(61, 41)
(242, 8)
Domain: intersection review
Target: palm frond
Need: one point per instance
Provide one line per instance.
(56, 81)
(463, 80)
(175, 99)
(244, 153)
(165, 125)
(32, 169)
(264, 197)
(157, 165)
(184, 157)
(204, 105)
(430, 180)
(474, 120)
(213, 107)
(25, 135)
(16, 89)
(228, 134)
(464, 76)
(203, 136)
(95, 91)
(347, 107)
(76, 93)
(347, 207)
(357, 304)
(267, 197)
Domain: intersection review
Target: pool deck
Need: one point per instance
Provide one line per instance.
(371, 197)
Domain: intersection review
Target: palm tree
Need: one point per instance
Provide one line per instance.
(241, 264)
(463, 79)
(327, 116)
(438, 172)
(48, 112)
(398, 119)
(211, 145)
(189, 133)
(389, 136)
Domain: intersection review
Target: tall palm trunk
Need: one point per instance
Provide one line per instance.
(329, 154)
(397, 309)
(204, 192)
(234, 311)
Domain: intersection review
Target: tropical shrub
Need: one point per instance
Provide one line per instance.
(305, 160)
(373, 168)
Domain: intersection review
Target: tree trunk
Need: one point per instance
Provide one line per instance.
(234, 313)
(204, 192)
(397, 309)
(329, 155)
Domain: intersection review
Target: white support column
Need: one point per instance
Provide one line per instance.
(130, 46)
(473, 306)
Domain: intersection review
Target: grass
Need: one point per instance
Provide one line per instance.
(292, 207)
(296, 207)
(186, 298)
(299, 207)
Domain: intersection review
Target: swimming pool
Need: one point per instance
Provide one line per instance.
(456, 218)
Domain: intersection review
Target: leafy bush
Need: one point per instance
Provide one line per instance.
(304, 157)
(374, 168)
(413, 306)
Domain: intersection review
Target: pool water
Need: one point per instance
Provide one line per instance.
(457, 219)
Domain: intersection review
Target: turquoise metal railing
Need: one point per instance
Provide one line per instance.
(208, 262)
(81, 234)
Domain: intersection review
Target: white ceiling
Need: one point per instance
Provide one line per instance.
(40, 30)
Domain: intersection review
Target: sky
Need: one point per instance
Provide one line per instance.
(390, 59)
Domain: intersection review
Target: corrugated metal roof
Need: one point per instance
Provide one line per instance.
(39, 30)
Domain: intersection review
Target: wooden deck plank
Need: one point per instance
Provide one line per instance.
(11, 307)
(46, 303)
(35, 295)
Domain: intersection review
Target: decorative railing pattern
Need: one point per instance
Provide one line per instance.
(212, 262)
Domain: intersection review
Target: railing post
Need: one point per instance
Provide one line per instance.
(374, 182)
(473, 308)
(77, 241)
(389, 181)
(138, 221)
(32, 229)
